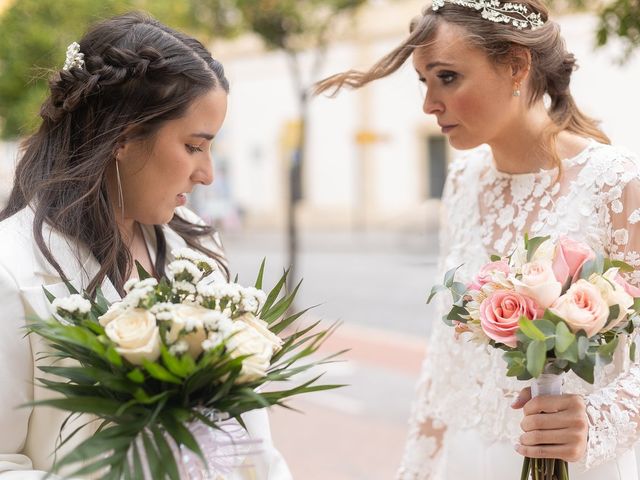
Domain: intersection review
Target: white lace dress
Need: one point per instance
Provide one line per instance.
(462, 426)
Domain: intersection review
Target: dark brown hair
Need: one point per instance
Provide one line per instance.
(138, 73)
(551, 63)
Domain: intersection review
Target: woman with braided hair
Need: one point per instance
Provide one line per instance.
(125, 136)
(497, 78)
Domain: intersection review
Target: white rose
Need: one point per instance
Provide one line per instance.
(114, 311)
(136, 335)
(245, 340)
(262, 328)
(189, 319)
(613, 294)
(544, 252)
(539, 283)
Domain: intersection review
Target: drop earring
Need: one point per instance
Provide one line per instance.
(120, 196)
(516, 92)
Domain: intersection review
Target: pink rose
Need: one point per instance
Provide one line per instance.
(583, 308)
(500, 312)
(630, 289)
(539, 283)
(486, 273)
(569, 258)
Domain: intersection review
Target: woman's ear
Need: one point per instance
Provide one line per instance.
(520, 61)
(124, 144)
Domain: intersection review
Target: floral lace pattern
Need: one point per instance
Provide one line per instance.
(464, 385)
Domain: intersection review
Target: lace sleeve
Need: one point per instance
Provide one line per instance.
(425, 439)
(614, 411)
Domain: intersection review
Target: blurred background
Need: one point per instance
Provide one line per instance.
(346, 189)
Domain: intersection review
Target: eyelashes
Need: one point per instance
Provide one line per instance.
(447, 77)
(193, 148)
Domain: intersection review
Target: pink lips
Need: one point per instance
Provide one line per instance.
(181, 199)
(447, 128)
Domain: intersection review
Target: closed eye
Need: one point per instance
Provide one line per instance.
(193, 148)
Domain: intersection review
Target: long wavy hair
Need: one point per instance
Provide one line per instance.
(551, 63)
(138, 74)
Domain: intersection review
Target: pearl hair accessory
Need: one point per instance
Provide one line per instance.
(74, 57)
(515, 14)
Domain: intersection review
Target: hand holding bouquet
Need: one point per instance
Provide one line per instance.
(189, 350)
(552, 307)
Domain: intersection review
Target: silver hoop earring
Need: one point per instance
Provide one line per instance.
(120, 196)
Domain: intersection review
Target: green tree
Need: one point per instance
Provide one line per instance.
(293, 27)
(617, 19)
(35, 34)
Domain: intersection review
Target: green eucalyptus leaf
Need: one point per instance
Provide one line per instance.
(570, 354)
(564, 337)
(449, 276)
(434, 291)
(606, 350)
(529, 328)
(533, 244)
(595, 265)
(614, 313)
(536, 357)
(583, 346)
(584, 368)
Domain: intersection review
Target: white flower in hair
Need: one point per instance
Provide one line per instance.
(75, 58)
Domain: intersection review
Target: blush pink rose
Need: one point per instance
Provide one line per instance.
(500, 312)
(487, 271)
(539, 283)
(630, 289)
(582, 308)
(569, 258)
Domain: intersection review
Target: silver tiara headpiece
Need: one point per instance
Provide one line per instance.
(515, 14)
(74, 57)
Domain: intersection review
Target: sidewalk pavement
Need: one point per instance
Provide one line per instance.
(356, 432)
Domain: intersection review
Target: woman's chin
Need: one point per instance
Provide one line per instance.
(460, 143)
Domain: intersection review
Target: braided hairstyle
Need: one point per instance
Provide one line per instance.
(551, 63)
(138, 74)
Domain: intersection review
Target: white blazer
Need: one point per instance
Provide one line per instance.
(28, 435)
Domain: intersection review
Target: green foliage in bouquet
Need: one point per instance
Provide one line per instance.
(143, 409)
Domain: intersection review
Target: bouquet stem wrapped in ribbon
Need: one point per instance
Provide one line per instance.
(154, 366)
(552, 308)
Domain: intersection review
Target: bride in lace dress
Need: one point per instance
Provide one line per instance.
(497, 78)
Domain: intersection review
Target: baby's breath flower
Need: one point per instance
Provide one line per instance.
(212, 341)
(184, 270)
(183, 287)
(73, 304)
(178, 348)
